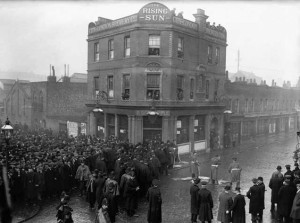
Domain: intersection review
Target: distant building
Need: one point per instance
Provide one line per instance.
(5, 87)
(47, 104)
(259, 110)
(157, 62)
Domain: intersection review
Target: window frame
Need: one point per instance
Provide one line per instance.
(153, 89)
(110, 86)
(96, 52)
(152, 46)
(111, 53)
(125, 89)
(209, 54)
(126, 38)
(180, 47)
(217, 55)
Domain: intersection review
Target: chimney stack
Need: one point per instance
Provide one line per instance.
(200, 19)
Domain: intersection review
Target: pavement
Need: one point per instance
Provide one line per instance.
(258, 157)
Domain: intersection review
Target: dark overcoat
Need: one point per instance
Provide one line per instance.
(30, 182)
(205, 204)
(295, 212)
(238, 209)
(100, 183)
(275, 184)
(263, 189)
(154, 210)
(194, 199)
(286, 196)
(255, 194)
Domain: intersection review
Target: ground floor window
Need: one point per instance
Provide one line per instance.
(100, 125)
(152, 129)
(110, 122)
(182, 132)
(199, 127)
(123, 127)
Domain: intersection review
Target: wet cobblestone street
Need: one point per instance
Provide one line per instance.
(258, 158)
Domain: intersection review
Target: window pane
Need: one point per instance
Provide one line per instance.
(153, 80)
(154, 41)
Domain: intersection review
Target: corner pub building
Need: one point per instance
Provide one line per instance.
(156, 62)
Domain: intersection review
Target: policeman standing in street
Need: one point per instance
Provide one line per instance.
(215, 162)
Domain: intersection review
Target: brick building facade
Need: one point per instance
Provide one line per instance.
(47, 104)
(157, 61)
(259, 110)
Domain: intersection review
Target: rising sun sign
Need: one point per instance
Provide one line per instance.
(154, 12)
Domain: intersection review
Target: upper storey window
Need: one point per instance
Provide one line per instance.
(111, 49)
(209, 54)
(180, 53)
(153, 86)
(217, 55)
(96, 52)
(127, 46)
(154, 45)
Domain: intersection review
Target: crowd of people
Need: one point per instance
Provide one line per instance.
(109, 172)
(285, 188)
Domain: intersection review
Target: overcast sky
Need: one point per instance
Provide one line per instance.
(36, 34)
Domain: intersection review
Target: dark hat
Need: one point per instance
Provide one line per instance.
(238, 189)
(278, 168)
(227, 187)
(204, 183)
(288, 166)
(260, 178)
(254, 180)
(196, 180)
(234, 158)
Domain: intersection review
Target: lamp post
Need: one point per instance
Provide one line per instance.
(152, 113)
(7, 131)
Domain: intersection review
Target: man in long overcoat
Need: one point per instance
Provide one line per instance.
(255, 196)
(225, 203)
(238, 208)
(260, 183)
(194, 199)
(295, 212)
(275, 184)
(155, 201)
(205, 203)
(286, 196)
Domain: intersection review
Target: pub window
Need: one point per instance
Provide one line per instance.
(217, 55)
(207, 89)
(209, 54)
(192, 85)
(154, 45)
(96, 85)
(126, 87)
(111, 49)
(110, 86)
(180, 53)
(199, 128)
(153, 86)
(127, 46)
(182, 129)
(180, 80)
(96, 52)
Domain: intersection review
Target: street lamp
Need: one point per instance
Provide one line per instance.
(100, 95)
(7, 131)
(152, 114)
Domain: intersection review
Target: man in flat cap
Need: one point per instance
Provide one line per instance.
(194, 199)
(288, 171)
(205, 203)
